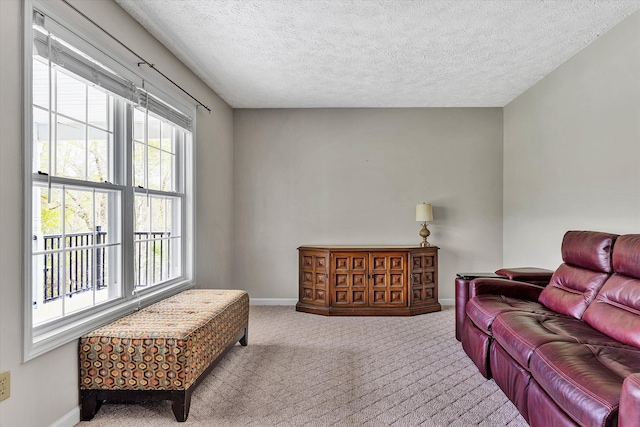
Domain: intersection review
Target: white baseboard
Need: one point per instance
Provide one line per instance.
(70, 419)
(447, 302)
(273, 301)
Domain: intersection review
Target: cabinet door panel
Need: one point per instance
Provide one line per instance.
(423, 273)
(314, 277)
(321, 263)
(379, 263)
(349, 284)
(388, 280)
(396, 280)
(397, 263)
(380, 280)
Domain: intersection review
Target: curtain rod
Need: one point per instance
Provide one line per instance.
(142, 60)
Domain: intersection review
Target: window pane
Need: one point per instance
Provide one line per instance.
(71, 97)
(173, 206)
(47, 288)
(154, 169)
(78, 217)
(47, 219)
(167, 137)
(141, 222)
(98, 114)
(141, 241)
(107, 210)
(40, 140)
(107, 273)
(99, 142)
(158, 210)
(159, 255)
(71, 150)
(79, 278)
(139, 160)
(154, 131)
(157, 242)
(40, 83)
(141, 251)
(166, 168)
(138, 125)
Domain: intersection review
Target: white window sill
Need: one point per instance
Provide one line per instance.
(64, 332)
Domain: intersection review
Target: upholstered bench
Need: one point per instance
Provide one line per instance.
(161, 352)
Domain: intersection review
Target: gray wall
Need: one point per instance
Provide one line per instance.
(572, 150)
(354, 176)
(46, 389)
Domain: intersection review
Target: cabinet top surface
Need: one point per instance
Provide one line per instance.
(366, 247)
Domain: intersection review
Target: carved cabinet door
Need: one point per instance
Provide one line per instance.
(349, 273)
(424, 270)
(387, 279)
(314, 277)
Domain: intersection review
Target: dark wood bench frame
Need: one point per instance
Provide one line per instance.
(92, 399)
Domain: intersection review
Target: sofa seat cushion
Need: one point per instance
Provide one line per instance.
(482, 310)
(585, 380)
(521, 333)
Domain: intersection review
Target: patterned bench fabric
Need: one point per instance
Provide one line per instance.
(165, 346)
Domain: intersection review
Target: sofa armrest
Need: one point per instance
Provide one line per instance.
(629, 413)
(508, 288)
(533, 275)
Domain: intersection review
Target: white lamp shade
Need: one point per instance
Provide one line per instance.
(424, 213)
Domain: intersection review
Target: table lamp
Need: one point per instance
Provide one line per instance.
(424, 214)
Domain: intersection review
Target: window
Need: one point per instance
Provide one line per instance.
(76, 246)
(157, 207)
(109, 189)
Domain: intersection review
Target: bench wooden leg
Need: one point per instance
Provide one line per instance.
(245, 339)
(89, 404)
(181, 402)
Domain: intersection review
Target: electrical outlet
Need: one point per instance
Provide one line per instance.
(5, 385)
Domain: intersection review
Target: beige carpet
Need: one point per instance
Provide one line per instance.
(307, 370)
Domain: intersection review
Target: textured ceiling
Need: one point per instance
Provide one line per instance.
(374, 53)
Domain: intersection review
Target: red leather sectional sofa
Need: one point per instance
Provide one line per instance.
(567, 354)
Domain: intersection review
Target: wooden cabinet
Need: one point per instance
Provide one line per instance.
(368, 281)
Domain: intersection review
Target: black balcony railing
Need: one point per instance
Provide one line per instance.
(152, 254)
(152, 264)
(79, 264)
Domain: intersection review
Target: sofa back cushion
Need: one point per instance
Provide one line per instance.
(616, 309)
(588, 249)
(587, 265)
(626, 256)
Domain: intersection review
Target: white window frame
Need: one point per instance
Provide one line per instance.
(41, 339)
